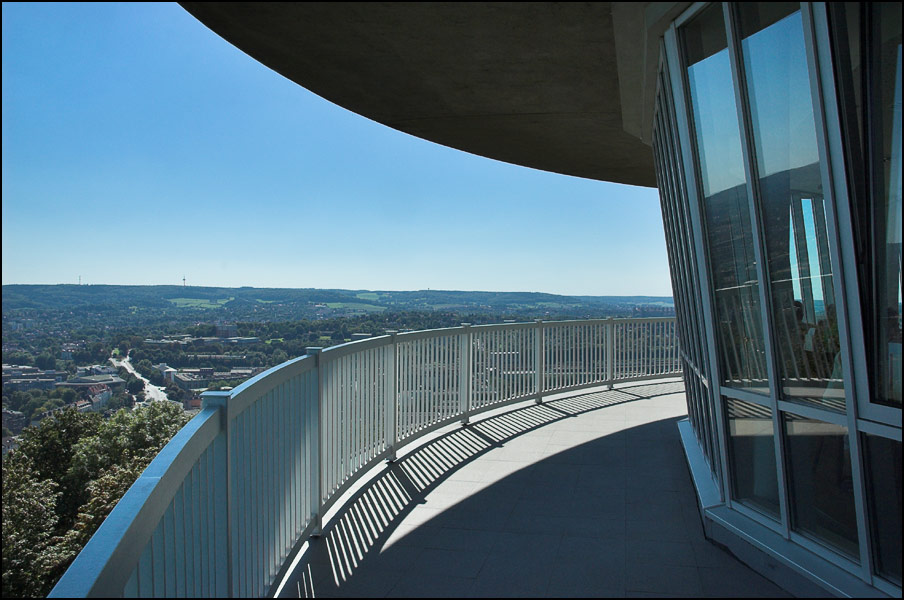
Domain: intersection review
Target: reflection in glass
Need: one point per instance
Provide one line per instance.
(821, 486)
(883, 462)
(725, 203)
(793, 212)
(752, 455)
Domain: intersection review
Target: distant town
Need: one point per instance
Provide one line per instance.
(103, 348)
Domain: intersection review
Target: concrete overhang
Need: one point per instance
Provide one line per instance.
(534, 84)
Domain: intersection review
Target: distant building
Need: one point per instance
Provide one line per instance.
(99, 395)
(87, 381)
(217, 357)
(23, 385)
(69, 348)
(190, 379)
(226, 330)
(195, 379)
(24, 378)
(163, 342)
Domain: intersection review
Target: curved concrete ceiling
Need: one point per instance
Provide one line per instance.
(534, 84)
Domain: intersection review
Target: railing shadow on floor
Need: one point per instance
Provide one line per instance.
(364, 521)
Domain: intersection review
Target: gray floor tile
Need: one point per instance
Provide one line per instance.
(587, 498)
(470, 540)
(608, 552)
(738, 582)
(586, 579)
(680, 581)
(431, 585)
(655, 553)
(449, 563)
(657, 531)
(507, 577)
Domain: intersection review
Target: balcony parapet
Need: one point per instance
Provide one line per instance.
(237, 491)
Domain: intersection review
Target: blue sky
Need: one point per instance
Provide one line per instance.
(139, 147)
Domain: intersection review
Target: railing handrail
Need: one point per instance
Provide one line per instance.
(355, 435)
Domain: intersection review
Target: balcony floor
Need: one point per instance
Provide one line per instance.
(586, 495)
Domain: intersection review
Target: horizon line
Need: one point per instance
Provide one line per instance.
(326, 289)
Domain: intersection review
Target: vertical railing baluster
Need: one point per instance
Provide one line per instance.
(464, 393)
(417, 352)
(643, 330)
(444, 377)
(316, 415)
(405, 408)
(600, 343)
(610, 351)
(538, 361)
(391, 384)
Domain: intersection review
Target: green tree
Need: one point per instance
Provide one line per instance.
(279, 357)
(23, 359)
(103, 494)
(69, 395)
(50, 447)
(155, 377)
(124, 437)
(45, 361)
(120, 400)
(144, 367)
(134, 385)
(29, 521)
(64, 479)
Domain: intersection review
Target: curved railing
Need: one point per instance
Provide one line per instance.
(238, 490)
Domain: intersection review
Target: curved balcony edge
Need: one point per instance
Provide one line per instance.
(237, 491)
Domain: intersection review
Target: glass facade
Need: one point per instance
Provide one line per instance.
(752, 455)
(791, 202)
(821, 482)
(726, 210)
(777, 136)
(677, 224)
(868, 38)
(883, 473)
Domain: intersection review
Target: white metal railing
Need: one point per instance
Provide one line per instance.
(238, 490)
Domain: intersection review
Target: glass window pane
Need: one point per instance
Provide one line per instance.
(752, 455)
(821, 486)
(868, 67)
(793, 214)
(885, 133)
(883, 463)
(726, 209)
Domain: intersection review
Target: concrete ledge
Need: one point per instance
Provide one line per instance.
(708, 494)
(790, 566)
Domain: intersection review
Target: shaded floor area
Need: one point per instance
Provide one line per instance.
(587, 495)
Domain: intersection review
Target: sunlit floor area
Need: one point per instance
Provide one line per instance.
(586, 495)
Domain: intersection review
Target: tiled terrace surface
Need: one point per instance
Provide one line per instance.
(587, 495)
